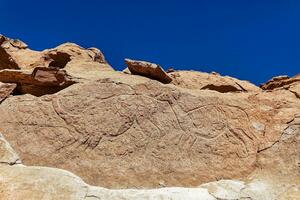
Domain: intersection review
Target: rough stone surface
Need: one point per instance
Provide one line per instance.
(148, 69)
(280, 81)
(18, 182)
(7, 154)
(161, 132)
(77, 61)
(6, 89)
(40, 81)
(226, 138)
(213, 81)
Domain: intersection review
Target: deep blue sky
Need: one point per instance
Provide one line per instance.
(247, 39)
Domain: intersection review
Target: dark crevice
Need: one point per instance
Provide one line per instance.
(60, 59)
(37, 90)
(17, 91)
(41, 81)
(221, 88)
(295, 93)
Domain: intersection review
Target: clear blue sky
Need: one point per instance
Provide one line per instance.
(247, 39)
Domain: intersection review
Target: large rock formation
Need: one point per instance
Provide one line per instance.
(121, 130)
(48, 71)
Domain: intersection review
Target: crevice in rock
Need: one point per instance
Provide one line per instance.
(40, 82)
(242, 88)
(268, 147)
(221, 88)
(37, 90)
(60, 59)
(295, 93)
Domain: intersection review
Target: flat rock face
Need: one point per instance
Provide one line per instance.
(19, 182)
(162, 135)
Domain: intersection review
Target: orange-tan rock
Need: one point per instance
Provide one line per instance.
(148, 69)
(6, 89)
(226, 138)
(38, 82)
(213, 81)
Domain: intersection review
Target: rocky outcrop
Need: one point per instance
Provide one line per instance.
(39, 82)
(213, 81)
(280, 82)
(284, 83)
(148, 69)
(77, 61)
(161, 131)
(71, 111)
(48, 71)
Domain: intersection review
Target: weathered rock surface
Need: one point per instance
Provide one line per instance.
(6, 89)
(119, 130)
(38, 82)
(48, 71)
(19, 182)
(205, 81)
(148, 69)
(77, 61)
(7, 154)
(281, 82)
(161, 132)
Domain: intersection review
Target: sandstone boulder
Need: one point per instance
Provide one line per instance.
(148, 69)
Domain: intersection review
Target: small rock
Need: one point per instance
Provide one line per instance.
(148, 69)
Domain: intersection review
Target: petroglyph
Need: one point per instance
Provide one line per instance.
(112, 124)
